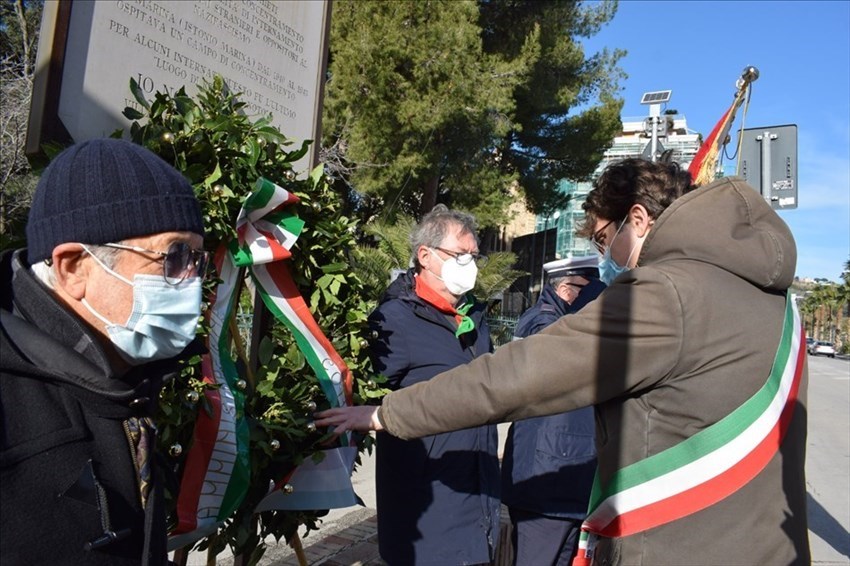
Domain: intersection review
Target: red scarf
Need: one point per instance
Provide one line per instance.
(430, 296)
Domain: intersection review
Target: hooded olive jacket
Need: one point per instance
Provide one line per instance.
(670, 348)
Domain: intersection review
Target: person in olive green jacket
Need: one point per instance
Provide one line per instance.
(693, 360)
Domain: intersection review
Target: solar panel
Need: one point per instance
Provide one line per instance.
(656, 97)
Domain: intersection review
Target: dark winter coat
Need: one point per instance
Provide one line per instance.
(437, 496)
(67, 469)
(549, 462)
(670, 348)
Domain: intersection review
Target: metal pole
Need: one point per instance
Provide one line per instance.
(531, 266)
(766, 181)
(654, 121)
(543, 256)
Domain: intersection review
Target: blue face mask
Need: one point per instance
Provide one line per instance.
(163, 320)
(610, 269)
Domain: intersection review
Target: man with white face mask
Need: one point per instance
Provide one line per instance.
(96, 314)
(437, 496)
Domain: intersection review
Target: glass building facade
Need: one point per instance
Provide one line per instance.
(633, 142)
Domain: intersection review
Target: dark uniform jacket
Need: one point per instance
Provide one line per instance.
(549, 462)
(67, 467)
(670, 348)
(437, 496)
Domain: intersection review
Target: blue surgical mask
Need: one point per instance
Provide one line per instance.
(163, 320)
(610, 269)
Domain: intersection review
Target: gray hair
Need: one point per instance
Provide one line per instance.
(46, 274)
(435, 226)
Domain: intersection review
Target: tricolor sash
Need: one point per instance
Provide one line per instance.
(707, 467)
(217, 471)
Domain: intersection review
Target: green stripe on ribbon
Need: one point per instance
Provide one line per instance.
(242, 256)
(264, 191)
(708, 440)
(466, 323)
(240, 477)
(303, 345)
(286, 220)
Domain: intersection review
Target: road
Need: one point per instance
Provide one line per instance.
(828, 460)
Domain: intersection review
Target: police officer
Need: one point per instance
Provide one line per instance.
(549, 462)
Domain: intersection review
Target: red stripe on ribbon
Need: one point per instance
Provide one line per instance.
(198, 459)
(278, 251)
(286, 286)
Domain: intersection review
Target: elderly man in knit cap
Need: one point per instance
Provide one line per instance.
(96, 314)
(549, 462)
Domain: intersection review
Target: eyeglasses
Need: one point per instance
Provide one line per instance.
(464, 258)
(594, 238)
(178, 263)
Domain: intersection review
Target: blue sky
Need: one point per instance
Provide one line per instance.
(802, 50)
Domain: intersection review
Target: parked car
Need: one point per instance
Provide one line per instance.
(822, 349)
(809, 342)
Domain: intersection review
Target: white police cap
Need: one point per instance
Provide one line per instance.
(585, 266)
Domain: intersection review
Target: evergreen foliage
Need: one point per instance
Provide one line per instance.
(222, 152)
(567, 110)
(451, 101)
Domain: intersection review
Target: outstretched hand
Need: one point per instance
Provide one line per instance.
(362, 418)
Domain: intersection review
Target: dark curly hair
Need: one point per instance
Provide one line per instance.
(654, 185)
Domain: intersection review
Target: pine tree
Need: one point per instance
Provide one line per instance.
(567, 111)
(451, 101)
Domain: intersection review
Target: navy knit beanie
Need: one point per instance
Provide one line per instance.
(108, 190)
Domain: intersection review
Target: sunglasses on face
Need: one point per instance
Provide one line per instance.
(178, 262)
(464, 258)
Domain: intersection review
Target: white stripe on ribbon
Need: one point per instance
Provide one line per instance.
(219, 471)
(334, 374)
(279, 197)
(709, 466)
(326, 485)
(285, 238)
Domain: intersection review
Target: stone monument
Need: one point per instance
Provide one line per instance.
(272, 52)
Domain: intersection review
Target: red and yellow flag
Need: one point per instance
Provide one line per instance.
(704, 165)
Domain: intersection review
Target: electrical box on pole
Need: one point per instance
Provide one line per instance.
(768, 162)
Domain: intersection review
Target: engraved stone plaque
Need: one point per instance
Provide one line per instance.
(272, 52)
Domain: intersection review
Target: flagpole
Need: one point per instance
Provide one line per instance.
(703, 167)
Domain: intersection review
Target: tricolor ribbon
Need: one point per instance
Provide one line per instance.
(707, 467)
(217, 472)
